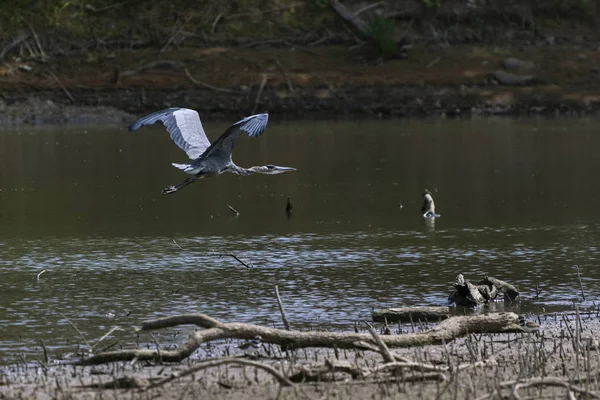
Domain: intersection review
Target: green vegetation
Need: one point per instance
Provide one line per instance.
(160, 21)
(382, 31)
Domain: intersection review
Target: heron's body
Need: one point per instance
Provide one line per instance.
(207, 159)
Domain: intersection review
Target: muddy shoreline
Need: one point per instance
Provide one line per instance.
(324, 82)
(565, 350)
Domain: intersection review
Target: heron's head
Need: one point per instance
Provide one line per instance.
(426, 192)
(271, 169)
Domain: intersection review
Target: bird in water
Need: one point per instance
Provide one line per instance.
(208, 159)
(428, 207)
(289, 207)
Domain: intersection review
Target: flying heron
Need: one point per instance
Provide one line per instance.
(186, 130)
(428, 207)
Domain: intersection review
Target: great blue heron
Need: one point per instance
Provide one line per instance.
(186, 130)
(428, 207)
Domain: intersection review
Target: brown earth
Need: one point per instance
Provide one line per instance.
(305, 82)
(560, 352)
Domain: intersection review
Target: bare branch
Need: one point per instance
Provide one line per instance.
(445, 332)
(215, 363)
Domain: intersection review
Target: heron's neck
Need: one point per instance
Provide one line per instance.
(243, 171)
(246, 171)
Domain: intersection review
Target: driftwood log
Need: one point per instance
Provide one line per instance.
(446, 331)
(466, 294)
(411, 314)
(510, 292)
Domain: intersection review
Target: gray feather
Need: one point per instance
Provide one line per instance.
(183, 125)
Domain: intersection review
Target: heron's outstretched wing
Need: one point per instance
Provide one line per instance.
(183, 125)
(253, 126)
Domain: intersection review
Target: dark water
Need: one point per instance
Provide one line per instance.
(518, 198)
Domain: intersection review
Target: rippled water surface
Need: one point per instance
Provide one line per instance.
(518, 199)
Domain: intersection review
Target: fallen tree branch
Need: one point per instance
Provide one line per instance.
(445, 332)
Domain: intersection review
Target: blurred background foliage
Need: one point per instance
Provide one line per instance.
(205, 22)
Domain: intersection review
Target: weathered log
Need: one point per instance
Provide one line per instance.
(505, 288)
(489, 292)
(445, 332)
(465, 293)
(411, 314)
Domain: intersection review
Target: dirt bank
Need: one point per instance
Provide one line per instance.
(305, 82)
(109, 61)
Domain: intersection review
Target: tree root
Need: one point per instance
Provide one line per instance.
(445, 332)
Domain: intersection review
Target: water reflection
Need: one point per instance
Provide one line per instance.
(518, 199)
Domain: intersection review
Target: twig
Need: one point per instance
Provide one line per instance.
(260, 90)
(37, 41)
(40, 274)
(175, 34)
(367, 8)
(580, 283)
(286, 323)
(221, 254)
(205, 85)
(233, 210)
(215, 363)
(236, 258)
(13, 44)
(214, 24)
(432, 63)
(115, 328)
(285, 75)
(77, 329)
(45, 351)
(177, 244)
(92, 9)
(64, 89)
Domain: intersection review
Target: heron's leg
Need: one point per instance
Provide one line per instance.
(173, 189)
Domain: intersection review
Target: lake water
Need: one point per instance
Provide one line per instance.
(518, 198)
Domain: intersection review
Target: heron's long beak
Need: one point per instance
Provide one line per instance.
(278, 170)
